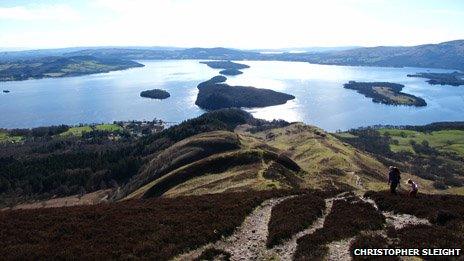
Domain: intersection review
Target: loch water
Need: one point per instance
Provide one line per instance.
(320, 100)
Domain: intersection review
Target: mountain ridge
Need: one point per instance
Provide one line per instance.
(445, 55)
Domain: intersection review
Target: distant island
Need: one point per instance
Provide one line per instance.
(215, 94)
(6, 91)
(229, 68)
(230, 72)
(225, 65)
(155, 94)
(454, 78)
(385, 93)
(54, 67)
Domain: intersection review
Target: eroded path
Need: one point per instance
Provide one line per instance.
(248, 242)
(286, 250)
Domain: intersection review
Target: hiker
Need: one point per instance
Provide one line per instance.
(414, 188)
(394, 177)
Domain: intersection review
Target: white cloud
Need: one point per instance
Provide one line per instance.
(52, 13)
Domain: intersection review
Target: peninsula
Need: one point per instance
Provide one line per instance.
(54, 67)
(454, 78)
(385, 93)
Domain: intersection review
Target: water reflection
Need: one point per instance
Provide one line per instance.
(320, 97)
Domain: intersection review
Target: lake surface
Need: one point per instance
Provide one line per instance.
(320, 97)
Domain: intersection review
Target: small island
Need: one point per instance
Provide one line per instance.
(454, 78)
(215, 94)
(155, 94)
(56, 66)
(230, 72)
(228, 68)
(6, 91)
(385, 93)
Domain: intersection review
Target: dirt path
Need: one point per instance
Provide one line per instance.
(339, 250)
(249, 240)
(398, 220)
(286, 250)
(403, 220)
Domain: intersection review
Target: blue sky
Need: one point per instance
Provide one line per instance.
(234, 23)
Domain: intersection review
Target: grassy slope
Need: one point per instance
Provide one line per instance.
(79, 130)
(322, 156)
(241, 169)
(5, 137)
(325, 161)
(109, 127)
(444, 140)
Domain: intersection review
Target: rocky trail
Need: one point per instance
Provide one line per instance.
(248, 242)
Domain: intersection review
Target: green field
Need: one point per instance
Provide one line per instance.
(444, 140)
(78, 131)
(109, 127)
(5, 137)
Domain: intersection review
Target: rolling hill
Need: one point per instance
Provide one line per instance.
(222, 186)
(447, 55)
(58, 66)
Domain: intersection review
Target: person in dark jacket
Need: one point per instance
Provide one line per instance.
(394, 177)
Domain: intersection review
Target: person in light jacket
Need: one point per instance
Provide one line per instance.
(414, 188)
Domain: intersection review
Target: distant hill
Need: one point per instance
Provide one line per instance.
(447, 55)
(315, 49)
(58, 66)
(218, 53)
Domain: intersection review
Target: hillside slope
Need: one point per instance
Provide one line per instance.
(447, 55)
(293, 157)
(229, 186)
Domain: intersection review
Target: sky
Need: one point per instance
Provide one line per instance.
(245, 24)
